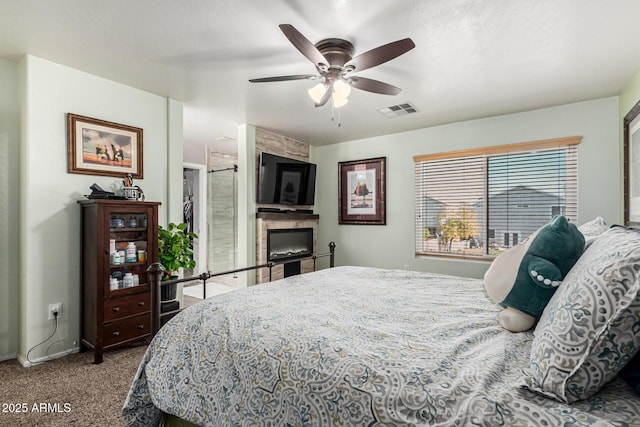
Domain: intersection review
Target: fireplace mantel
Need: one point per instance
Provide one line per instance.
(291, 215)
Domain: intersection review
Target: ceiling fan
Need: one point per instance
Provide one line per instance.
(334, 61)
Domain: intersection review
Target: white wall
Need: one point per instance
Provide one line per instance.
(246, 202)
(50, 215)
(9, 244)
(195, 153)
(392, 246)
(174, 161)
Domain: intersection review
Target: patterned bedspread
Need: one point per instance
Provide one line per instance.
(352, 346)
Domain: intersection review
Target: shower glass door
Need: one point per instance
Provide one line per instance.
(222, 213)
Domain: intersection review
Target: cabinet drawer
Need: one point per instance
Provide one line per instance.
(130, 305)
(123, 330)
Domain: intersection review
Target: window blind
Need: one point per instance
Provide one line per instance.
(481, 202)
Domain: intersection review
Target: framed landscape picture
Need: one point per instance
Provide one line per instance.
(361, 190)
(99, 147)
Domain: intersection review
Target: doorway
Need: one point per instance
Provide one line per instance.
(194, 197)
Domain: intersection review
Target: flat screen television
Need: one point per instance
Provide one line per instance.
(284, 181)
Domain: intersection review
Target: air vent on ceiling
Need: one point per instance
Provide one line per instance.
(398, 110)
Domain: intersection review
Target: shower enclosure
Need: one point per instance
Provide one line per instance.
(222, 213)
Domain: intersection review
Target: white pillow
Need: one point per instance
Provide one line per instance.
(592, 229)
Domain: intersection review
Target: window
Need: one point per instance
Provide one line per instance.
(481, 202)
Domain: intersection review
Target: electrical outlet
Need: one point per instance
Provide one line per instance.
(57, 307)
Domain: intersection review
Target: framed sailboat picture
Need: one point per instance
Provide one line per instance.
(362, 194)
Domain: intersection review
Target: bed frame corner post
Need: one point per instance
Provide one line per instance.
(332, 249)
(154, 274)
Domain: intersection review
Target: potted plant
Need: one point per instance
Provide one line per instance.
(174, 251)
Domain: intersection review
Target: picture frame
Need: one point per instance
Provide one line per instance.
(631, 169)
(289, 184)
(100, 147)
(362, 192)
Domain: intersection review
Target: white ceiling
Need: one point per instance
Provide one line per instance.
(472, 58)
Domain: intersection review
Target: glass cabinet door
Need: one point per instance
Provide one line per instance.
(128, 254)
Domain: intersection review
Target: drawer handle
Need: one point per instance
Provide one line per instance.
(116, 309)
(116, 333)
(141, 303)
(140, 326)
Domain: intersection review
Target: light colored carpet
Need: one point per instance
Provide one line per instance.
(70, 391)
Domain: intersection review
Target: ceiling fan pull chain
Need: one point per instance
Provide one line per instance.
(333, 109)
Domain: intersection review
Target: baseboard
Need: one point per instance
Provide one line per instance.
(7, 357)
(26, 363)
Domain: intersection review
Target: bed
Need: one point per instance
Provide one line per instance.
(353, 346)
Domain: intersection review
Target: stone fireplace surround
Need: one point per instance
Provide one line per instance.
(285, 147)
(273, 220)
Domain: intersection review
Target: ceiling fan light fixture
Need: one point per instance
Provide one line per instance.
(341, 89)
(341, 92)
(339, 101)
(317, 92)
(334, 61)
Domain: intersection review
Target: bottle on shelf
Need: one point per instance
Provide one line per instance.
(131, 253)
(128, 280)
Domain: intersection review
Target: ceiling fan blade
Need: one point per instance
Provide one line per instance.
(325, 98)
(374, 86)
(284, 78)
(380, 54)
(304, 46)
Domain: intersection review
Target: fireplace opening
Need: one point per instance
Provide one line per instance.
(289, 244)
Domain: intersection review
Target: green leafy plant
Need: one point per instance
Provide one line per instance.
(174, 248)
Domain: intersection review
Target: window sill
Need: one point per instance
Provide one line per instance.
(483, 258)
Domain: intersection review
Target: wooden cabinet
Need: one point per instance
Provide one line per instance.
(116, 296)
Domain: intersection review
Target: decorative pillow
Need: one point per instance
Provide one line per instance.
(592, 229)
(523, 279)
(590, 328)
